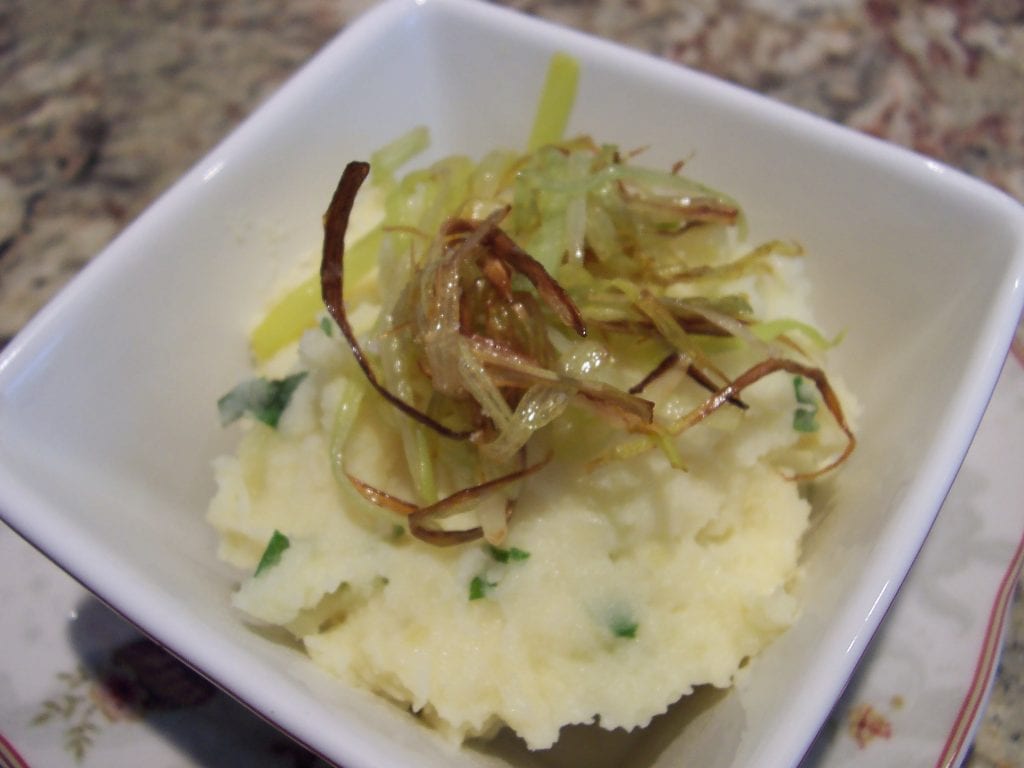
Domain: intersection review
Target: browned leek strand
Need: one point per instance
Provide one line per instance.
(502, 336)
(695, 373)
(332, 282)
(757, 372)
(420, 518)
(511, 256)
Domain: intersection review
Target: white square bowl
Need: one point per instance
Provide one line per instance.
(107, 398)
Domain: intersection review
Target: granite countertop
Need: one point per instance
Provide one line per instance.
(106, 102)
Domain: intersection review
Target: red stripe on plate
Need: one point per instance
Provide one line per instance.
(9, 757)
(983, 670)
(1017, 345)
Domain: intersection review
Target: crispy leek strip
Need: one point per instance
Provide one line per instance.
(671, 361)
(755, 374)
(488, 272)
(424, 521)
(477, 346)
(332, 280)
(496, 281)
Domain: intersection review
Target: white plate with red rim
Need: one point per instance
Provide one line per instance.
(105, 427)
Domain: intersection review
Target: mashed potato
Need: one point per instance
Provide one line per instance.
(628, 585)
(621, 585)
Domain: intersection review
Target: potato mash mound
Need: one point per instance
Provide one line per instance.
(537, 459)
(618, 589)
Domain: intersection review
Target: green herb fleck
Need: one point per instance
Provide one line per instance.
(272, 554)
(327, 326)
(624, 626)
(802, 392)
(264, 399)
(805, 415)
(479, 587)
(512, 555)
(804, 421)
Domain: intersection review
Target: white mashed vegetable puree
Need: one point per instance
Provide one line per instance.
(619, 588)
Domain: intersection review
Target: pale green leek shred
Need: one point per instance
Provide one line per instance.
(772, 329)
(634, 446)
(556, 101)
(641, 444)
(769, 330)
(426, 478)
(293, 313)
(575, 216)
(492, 174)
(301, 308)
(673, 333)
(396, 364)
(344, 420)
(668, 447)
(715, 345)
(386, 160)
(681, 184)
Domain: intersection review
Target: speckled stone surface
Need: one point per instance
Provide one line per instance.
(104, 103)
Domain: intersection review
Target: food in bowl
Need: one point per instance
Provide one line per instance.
(539, 459)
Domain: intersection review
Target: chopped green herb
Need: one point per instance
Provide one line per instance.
(272, 554)
(479, 587)
(514, 554)
(624, 626)
(397, 531)
(805, 416)
(264, 399)
(327, 326)
(805, 421)
(803, 393)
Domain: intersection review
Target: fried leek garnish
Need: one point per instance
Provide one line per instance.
(531, 288)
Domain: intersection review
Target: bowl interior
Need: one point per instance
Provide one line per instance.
(107, 401)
